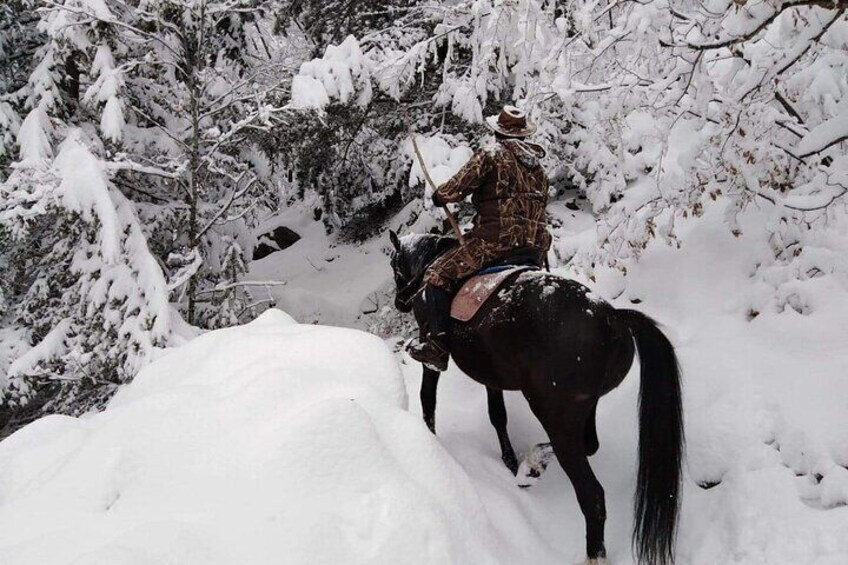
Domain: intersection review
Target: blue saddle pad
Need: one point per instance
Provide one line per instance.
(501, 268)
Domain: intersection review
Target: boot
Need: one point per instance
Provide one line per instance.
(433, 352)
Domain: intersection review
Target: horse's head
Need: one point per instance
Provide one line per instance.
(410, 258)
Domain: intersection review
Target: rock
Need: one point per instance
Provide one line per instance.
(277, 240)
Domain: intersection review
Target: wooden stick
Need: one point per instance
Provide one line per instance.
(451, 218)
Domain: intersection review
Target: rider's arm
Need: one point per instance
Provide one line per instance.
(463, 183)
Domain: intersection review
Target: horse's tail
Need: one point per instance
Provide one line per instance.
(660, 442)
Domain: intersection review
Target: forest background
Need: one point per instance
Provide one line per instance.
(152, 152)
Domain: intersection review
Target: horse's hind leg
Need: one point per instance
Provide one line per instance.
(429, 384)
(498, 418)
(590, 438)
(566, 428)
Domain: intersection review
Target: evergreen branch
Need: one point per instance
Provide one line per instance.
(114, 22)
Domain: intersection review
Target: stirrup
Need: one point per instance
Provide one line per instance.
(429, 353)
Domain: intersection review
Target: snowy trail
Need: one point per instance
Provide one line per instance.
(546, 517)
(765, 400)
(759, 515)
(766, 405)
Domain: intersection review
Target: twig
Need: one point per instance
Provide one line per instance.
(228, 286)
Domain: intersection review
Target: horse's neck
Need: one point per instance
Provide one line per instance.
(426, 252)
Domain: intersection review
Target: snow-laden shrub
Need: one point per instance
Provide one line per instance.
(135, 179)
(654, 111)
(93, 297)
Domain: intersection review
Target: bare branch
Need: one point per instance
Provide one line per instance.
(762, 25)
(228, 286)
(234, 195)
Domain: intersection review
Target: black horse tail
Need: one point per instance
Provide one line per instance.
(660, 442)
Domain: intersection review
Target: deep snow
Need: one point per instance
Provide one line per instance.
(272, 442)
(278, 442)
(766, 405)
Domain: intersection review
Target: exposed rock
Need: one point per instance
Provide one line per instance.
(277, 240)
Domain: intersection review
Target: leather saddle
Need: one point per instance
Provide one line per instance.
(480, 288)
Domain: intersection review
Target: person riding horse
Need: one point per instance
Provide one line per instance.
(509, 190)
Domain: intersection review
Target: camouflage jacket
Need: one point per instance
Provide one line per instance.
(509, 189)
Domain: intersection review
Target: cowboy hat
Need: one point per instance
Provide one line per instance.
(511, 122)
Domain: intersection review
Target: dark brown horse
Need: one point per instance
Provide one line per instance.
(548, 337)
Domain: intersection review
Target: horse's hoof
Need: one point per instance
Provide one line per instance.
(527, 475)
(596, 561)
(533, 465)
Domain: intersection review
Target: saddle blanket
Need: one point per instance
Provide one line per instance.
(478, 289)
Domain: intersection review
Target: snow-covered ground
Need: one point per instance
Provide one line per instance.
(268, 443)
(326, 282)
(279, 442)
(766, 406)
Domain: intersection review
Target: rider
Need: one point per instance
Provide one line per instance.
(509, 190)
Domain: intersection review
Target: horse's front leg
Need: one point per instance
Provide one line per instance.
(497, 416)
(429, 384)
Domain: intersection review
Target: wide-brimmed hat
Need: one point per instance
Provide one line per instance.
(511, 122)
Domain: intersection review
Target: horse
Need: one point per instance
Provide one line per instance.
(564, 348)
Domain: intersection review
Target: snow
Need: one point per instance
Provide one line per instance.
(308, 92)
(326, 282)
(442, 161)
(10, 124)
(277, 440)
(105, 89)
(13, 346)
(824, 135)
(466, 104)
(267, 442)
(342, 72)
(84, 189)
(112, 122)
(33, 137)
(48, 348)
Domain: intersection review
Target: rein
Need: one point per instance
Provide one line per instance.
(418, 281)
(413, 296)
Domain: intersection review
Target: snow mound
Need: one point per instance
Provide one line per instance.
(266, 443)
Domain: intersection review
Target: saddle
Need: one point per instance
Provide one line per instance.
(477, 290)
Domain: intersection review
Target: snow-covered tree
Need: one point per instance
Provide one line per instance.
(199, 119)
(138, 177)
(19, 40)
(92, 295)
(194, 96)
(654, 110)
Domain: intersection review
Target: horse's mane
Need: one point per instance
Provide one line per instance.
(421, 249)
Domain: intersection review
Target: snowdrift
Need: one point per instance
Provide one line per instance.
(268, 443)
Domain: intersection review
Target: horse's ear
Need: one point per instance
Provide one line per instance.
(394, 239)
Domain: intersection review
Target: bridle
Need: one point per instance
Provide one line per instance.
(416, 283)
(407, 302)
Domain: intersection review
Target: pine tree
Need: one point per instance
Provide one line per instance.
(137, 179)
